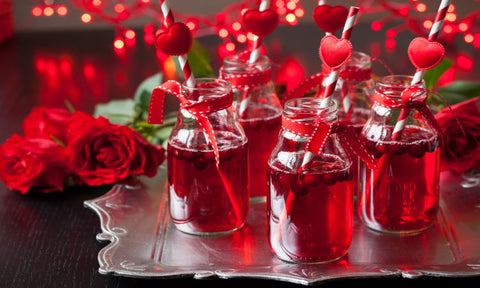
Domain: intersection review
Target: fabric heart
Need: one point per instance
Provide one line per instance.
(175, 40)
(335, 52)
(330, 18)
(425, 54)
(260, 23)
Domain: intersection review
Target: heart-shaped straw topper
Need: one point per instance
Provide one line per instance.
(174, 40)
(425, 54)
(335, 52)
(330, 18)
(260, 23)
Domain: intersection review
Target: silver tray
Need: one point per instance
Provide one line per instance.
(143, 242)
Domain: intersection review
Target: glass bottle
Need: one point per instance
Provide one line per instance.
(204, 198)
(401, 194)
(259, 111)
(310, 210)
(355, 88)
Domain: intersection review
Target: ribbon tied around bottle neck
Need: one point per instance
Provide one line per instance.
(198, 109)
(411, 98)
(247, 79)
(319, 132)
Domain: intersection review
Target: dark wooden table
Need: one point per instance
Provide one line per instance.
(48, 240)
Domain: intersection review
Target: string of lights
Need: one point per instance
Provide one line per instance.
(408, 16)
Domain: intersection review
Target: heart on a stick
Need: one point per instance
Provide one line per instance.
(425, 54)
(260, 23)
(330, 18)
(335, 52)
(174, 40)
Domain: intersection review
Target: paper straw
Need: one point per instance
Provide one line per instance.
(254, 55)
(418, 76)
(182, 59)
(331, 80)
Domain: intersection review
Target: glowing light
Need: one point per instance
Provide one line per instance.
(89, 71)
(464, 62)
(146, 1)
(299, 12)
(243, 11)
(476, 40)
(279, 3)
(119, 8)
(468, 38)
(223, 33)
(403, 11)
(376, 25)
(451, 17)
(390, 44)
(97, 3)
(191, 25)
(230, 46)
(391, 33)
(86, 18)
(129, 34)
(451, 8)
(447, 29)
(241, 38)
(427, 24)
(62, 10)
(37, 11)
(421, 7)
(463, 26)
(250, 36)
(291, 5)
(48, 11)
(236, 26)
(148, 28)
(118, 45)
(290, 17)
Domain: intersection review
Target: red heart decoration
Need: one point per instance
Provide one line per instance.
(260, 23)
(335, 52)
(175, 40)
(330, 18)
(425, 54)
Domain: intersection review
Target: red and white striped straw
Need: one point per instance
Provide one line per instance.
(182, 59)
(254, 55)
(257, 41)
(331, 80)
(418, 76)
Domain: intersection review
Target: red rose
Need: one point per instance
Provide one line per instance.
(32, 163)
(103, 153)
(46, 122)
(461, 152)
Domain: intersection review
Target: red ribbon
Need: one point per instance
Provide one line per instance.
(199, 109)
(409, 101)
(247, 80)
(318, 134)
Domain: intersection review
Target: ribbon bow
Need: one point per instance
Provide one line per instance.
(199, 109)
(409, 101)
(318, 134)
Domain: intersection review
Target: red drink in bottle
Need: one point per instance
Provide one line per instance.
(262, 132)
(198, 195)
(311, 214)
(401, 195)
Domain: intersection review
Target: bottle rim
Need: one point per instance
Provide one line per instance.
(307, 109)
(207, 88)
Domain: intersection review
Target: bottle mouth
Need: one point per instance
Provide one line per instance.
(310, 109)
(239, 63)
(206, 88)
(394, 85)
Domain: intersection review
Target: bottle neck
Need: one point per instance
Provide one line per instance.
(310, 110)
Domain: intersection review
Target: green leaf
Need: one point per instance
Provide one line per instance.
(431, 76)
(144, 90)
(468, 89)
(117, 111)
(199, 60)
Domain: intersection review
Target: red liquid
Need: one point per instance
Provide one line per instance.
(262, 129)
(310, 215)
(402, 194)
(199, 201)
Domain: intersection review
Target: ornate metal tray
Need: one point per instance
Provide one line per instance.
(134, 218)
